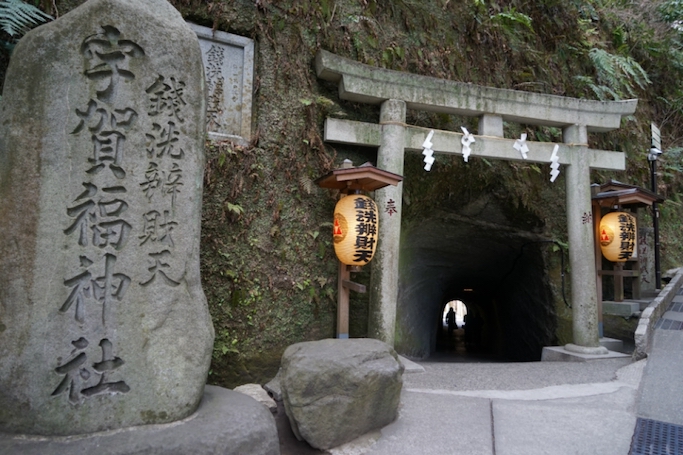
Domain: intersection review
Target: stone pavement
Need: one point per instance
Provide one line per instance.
(659, 407)
(553, 408)
(602, 406)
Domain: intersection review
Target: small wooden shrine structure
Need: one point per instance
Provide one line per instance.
(349, 179)
(620, 196)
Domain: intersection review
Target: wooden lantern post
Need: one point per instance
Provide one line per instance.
(349, 179)
(617, 195)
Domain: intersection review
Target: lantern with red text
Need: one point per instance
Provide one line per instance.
(618, 236)
(355, 229)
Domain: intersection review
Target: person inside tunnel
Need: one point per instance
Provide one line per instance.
(450, 321)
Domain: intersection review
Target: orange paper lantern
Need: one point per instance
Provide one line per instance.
(355, 229)
(617, 236)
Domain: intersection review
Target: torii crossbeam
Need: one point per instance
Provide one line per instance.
(397, 91)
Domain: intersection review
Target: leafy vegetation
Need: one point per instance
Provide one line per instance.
(671, 12)
(17, 17)
(594, 49)
(617, 76)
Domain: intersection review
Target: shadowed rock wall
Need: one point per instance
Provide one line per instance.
(504, 267)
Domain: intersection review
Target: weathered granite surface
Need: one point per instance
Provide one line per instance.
(335, 390)
(103, 321)
(259, 394)
(273, 387)
(226, 423)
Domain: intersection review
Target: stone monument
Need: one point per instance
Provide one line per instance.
(229, 70)
(103, 321)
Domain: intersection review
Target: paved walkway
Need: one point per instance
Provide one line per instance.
(553, 408)
(659, 407)
(600, 407)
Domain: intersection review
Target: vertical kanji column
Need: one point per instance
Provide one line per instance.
(103, 320)
(384, 282)
(581, 252)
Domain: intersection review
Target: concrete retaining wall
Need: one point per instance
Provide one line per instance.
(652, 314)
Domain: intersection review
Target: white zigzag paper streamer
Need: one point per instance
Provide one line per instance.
(466, 141)
(554, 164)
(520, 146)
(428, 152)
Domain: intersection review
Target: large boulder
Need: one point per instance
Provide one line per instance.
(336, 390)
(103, 321)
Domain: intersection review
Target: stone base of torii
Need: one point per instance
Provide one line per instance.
(396, 92)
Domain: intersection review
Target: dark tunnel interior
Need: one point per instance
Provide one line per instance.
(496, 269)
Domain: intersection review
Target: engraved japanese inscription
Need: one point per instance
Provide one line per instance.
(229, 68)
(105, 324)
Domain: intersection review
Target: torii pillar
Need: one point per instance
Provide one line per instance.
(396, 91)
(580, 233)
(384, 279)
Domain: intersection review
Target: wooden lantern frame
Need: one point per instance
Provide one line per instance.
(348, 180)
(622, 196)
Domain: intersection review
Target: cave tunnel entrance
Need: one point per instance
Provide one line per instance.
(497, 270)
(462, 340)
(453, 339)
(459, 308)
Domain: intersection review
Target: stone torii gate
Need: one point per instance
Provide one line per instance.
(396, 91)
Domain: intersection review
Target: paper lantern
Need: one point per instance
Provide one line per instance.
(617, 236)
(355, 229)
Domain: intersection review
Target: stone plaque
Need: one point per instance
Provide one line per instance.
(229, 68)
(103, 321)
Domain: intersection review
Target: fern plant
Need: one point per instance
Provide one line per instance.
(510, 18)
(617, 76)
(671, 11)
(602, 92)
(17, 17)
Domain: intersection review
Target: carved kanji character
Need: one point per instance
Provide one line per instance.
(75, 374)
(164, 141)
(157, 229)
(108, 364)
(166, 97)
(157, 268)
(108, 59)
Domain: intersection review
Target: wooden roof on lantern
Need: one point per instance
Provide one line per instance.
(616, 193)
(365, 177)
